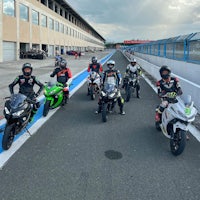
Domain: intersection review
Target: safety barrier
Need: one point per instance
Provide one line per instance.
(188, 86)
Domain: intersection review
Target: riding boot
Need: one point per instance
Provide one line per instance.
(88, 92)
(33, 112)
(138, 91)
(98, 110)
(122, 112)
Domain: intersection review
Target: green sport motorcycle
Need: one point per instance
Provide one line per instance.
(54, 96)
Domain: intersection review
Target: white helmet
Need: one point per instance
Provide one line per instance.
(133, 60)
(111, 64)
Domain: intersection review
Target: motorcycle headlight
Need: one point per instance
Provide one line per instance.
(111, 95)
(7, 111)
(18, 113)
(103, 93)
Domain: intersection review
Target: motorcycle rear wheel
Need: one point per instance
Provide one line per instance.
(104, 113)
(8, 136)
(46, 108)
(178, 142)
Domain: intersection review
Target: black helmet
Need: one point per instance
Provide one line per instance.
(94, 59)
(165, 68)
(27, 65)
(63, 64)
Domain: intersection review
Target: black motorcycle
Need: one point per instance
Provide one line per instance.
(130, 84)
(17, 112)
(108, 99)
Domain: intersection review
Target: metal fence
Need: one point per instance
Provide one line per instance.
(183, 47)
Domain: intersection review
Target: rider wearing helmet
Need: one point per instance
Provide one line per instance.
(26, 83)
(95, 66)
(133, 68)
(112, 75)
(166, 85)
(64, 76)
(58, 59)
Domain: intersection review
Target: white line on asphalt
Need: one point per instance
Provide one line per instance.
(6, 155)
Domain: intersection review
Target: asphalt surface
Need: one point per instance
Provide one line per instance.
(75, 156)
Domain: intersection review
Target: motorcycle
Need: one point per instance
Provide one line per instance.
(54, 96)
(130, 83)
(108, 99)
(175, 120)
(17, 111)
(93, 81)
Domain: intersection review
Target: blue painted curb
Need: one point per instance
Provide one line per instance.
(75, 82)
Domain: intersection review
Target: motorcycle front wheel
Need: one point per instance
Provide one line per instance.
(104, 113)
(178, 142)
(128, 93)
(46, 108)
(92, 95)
(8, 136)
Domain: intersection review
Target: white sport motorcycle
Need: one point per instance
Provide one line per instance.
(175, 121)
(94, 84)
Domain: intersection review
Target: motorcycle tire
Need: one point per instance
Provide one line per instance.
(92, 95)
(104, 113)
(128, 93)
(46, 108)
(157, 125)
(178, 142)
(8, 136)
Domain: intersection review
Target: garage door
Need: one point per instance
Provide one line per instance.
(51, 51)
(9, 51)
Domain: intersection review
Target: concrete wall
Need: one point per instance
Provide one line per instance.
(187, 73)
(1, 31)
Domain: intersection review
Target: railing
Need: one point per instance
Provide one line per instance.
(183, 47)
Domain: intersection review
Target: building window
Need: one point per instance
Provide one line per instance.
(56, 26)
(61, 12)
(51, 23)
(44, 2)
(23, 12)
(9, 7)
(44, 20)
(35, 17)
(61, 28)
(66, 30)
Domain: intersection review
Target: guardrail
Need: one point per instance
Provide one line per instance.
(187, 86)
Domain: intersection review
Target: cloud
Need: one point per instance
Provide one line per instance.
(148, 19)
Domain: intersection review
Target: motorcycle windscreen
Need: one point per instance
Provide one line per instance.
(109, 88)
(17, 100)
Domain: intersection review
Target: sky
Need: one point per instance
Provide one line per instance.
(119, 20)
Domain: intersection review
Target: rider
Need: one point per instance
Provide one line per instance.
(64, 76)
(133, 68)
(166, 85)
(96, 67)
(26, 83)
(115, 75)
